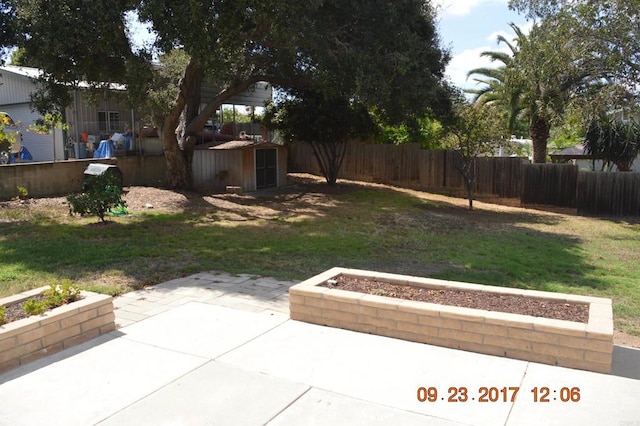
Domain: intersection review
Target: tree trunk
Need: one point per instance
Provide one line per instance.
(177, 144)
(329, 156)
(177, 177)
(188, 136)
(470, 193)
(540, 128)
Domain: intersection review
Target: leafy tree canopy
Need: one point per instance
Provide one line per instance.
(605, 34)
(476, 131)
(377, 53)
(326, 123)
(613, 141)
(8, 27)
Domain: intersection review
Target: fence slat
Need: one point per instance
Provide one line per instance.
(561, 185)
(608, 193)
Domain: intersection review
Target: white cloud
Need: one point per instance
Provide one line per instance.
(510, 34)
(461, 7)
(467, 60)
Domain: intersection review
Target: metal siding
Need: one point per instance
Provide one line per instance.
(216, 169)
(88, 115)
(15, 89)
(256, 96)
(249, 169)
(40, 146)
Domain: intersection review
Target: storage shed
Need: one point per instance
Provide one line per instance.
(246, 165)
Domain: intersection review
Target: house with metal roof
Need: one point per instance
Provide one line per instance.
(16, 86)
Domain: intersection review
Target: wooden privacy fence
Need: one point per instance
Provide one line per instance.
(550, 184)
(410, 166)
(591, 193)
(560, 185)
(608, 193)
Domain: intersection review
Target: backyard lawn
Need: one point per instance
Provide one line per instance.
(296, 232)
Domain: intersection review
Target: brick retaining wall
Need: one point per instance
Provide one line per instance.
(563, 343)
(31, 338)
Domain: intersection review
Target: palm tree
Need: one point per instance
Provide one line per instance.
(497, 89)
(548, 70)
(545, 69)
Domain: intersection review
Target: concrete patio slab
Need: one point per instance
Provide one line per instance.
(202, 363)
(382, 370)
(89, 382)
(215, 393)
(604, 399)
(626, 362)
(319, 407)
(202, 329)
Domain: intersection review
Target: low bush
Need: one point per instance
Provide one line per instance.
(101, 194)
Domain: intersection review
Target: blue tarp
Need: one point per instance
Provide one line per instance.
(106, 149)
(25, 155)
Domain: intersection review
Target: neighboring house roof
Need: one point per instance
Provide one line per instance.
(574, 152)
(244, 144)
(34, 73)
(23, 71)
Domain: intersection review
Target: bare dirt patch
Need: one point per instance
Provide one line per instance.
(577, 312)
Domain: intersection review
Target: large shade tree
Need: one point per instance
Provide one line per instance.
(377, 52)
(326, 123)
(8, 31)
(606, 38)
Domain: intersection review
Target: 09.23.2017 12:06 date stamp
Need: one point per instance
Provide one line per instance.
(496, 394)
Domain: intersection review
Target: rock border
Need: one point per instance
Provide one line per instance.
(28, 339)
(556, 342)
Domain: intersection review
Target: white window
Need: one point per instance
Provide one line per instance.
(108, 121)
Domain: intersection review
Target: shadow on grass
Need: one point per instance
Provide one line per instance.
(299, 232)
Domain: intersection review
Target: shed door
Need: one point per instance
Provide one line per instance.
(266, 168)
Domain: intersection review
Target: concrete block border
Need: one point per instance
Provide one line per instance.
(31, 338)
(556, 342)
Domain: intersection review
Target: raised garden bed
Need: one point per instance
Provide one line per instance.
(568, 343)
(31, 338)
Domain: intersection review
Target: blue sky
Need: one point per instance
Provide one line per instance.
(470, 27)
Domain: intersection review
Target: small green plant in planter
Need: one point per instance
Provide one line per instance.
(101, 194)
(3, 318)
(35, 307)
(56, 295)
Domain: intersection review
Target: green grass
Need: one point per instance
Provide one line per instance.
(304, 234)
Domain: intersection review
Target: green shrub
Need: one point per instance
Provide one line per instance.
(35, 307)
(23, 193)
(102, 193)
(3, 318)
